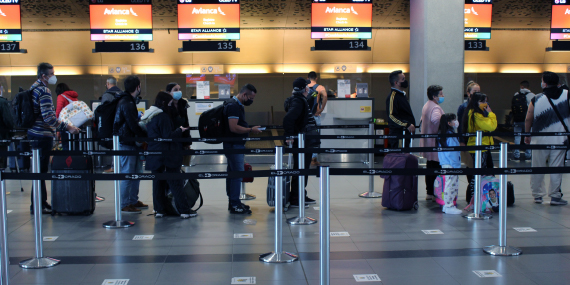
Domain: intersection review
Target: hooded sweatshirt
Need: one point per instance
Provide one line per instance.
(62, 102)
(148, 115)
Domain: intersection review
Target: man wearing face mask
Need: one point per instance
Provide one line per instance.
(42, 132)
(237, 127)
(400, 115)
(431, 115)
(126, 125)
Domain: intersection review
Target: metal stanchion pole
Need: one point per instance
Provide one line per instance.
(89, 130)
(278, 256)
(301, 219)
(502, 249)
(69, 141)
(325, 227)
(477, 214)
(371, 193)
(243, 195)
(5, 261)
(118, 222)
(39, 261)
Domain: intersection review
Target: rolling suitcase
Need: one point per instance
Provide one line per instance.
(72, 196)
(286, 186)
(400, 191)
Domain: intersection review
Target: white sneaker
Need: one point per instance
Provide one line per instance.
(430, 197)
(451, 210)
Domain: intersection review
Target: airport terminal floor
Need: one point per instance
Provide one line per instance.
(203, 250)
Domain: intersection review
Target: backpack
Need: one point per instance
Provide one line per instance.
(519, 107)
(192, 192)
(312, 98)
(23, 109)
(103, 119)
(212, 123)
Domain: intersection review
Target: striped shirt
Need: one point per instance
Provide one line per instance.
(546, 120)
(46, 122)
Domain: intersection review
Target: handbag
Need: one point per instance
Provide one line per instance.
(76, 113)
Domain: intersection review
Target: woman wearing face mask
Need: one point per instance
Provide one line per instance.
(431, 114)
(479, 117)
(179, 105)
(449, 159)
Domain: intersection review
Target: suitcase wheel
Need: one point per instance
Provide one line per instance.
(416, 205)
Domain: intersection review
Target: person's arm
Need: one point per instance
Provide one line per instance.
(394, 104)
(233, 118)
(486, 124)
(293, 114)
(436, 116)
(166, 126)
(528, 121)
(47, 112)
(132, 119)
(322, 97)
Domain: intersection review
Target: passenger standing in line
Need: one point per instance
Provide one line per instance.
(112, 91)
(449, 159)
(63, 93)
(431, 114)
(545, 114)
(400, 115)
(6, 125)
(317, 99)
(466, 158)
(180, 106)
(479, 117)
(519, 107)
(234, 110)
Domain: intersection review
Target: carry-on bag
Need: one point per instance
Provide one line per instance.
(72, 196)
(490, 194)
(400, 191)
(191, 188)
(286, 186)
(439, 190)
(247, 167)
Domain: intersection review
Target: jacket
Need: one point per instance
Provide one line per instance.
(452, 158)
(162, 126)
(6, 120)
(297, 116)
(126, 123)
(46, 121)
(62, 102)
(460, 114)
(431, 114)
(110, 94)
(148, 115)
(482, 123)
(400, 115)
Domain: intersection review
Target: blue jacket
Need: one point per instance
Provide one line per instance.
(452, 158)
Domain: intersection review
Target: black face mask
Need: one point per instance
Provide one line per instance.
(404, 84)
(248, 102)
(138, 99)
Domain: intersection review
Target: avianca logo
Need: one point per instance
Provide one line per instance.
(565, 13)
(208, 11)
(471, 11)
(120, 12)
(335, 10)
(2, 13)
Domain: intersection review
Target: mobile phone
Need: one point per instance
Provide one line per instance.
(261, 129)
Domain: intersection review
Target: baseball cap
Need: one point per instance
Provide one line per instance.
(300, 83)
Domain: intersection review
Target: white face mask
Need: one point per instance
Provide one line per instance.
(455, 124)
(52, 80)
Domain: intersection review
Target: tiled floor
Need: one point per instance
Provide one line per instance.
(202, 250)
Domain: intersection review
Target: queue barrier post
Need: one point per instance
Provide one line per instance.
(370, 193)
(278, 256)
(89, 130)
(5, 258)
(243, 195)
(301, 219)
(477, 214)
(502, 249)
(118, 223)
(39, 261)
(325, 227)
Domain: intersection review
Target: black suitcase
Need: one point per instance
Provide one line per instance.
(69, 196)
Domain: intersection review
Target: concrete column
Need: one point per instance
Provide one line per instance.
(436, 52)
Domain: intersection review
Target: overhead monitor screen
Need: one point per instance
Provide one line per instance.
(341, 19)
(129, 20)
(10, 23)
(478, 14)
(560, 24)
(208, 19)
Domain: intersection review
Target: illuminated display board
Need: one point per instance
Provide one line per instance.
(121, 20)
(560, 21)
(341, 19)
(208, 19)
(478, 14)
(10, 23)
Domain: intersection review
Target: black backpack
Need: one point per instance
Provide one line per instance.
(519, 107)
(312, 98)
(104, 118)
(212, 123)
(23, 109)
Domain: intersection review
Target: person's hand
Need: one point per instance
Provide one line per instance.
(527, 140)
(184, 129)
(317, 114)
(72, 129)
(412, 129)
(289, 142)
(461, 144)
(488, 109)
(256, 130)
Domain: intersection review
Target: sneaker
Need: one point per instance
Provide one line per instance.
(44, 211)
(140, 205)
(244, 205)
(310, 201)
(99, 198)
(558, 202)
(315, 162)
(158, 215)
(239, 209)
(451, 210)
(538, 200)
(47, 206)
(192, 214)
(429, 197)
(295, 204)
(130, 209)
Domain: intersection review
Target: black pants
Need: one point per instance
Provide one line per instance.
(295, 179)
(430, 179)
(45, 145)
(3, 159)
(159, 197)
(486, 162)
(395, 143)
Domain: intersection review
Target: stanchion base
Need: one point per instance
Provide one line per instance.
(246, 196)
(283, 257)
(370, 195)
(42, 262)
(299, 221)
(118, 224)
(502, 250)
(481, 216)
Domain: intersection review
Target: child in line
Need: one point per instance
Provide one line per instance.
(449, 159)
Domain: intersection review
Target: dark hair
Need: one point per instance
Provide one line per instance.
(433, 91)
(550, 78)
(248, 89)
(394, 76)
(444, 127)
(131, 83)
(43, 69)
(313, 75)
(162, 99)
(525, 84)
(62, 87)
(472, 105)
(170, 86)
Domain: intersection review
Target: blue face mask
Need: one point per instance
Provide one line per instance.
(177, 95)
(441, 99)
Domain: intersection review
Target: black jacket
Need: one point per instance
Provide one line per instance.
(126, 122)
(182, 118)
(298, 115)
(162, 126)
(6, 120)
(400, 113)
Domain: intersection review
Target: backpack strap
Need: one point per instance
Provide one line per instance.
(69, 100)
(558, 113)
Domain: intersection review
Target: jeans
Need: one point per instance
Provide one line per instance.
(130, 188)
(176, 187)
(235, 163)
(318, 121)
(519, 128)
(45, 144)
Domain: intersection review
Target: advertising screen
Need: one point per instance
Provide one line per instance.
(120, 20)
(10, 24)
(208, 19)
(478, 15)
(341, 19)
(560, 24)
